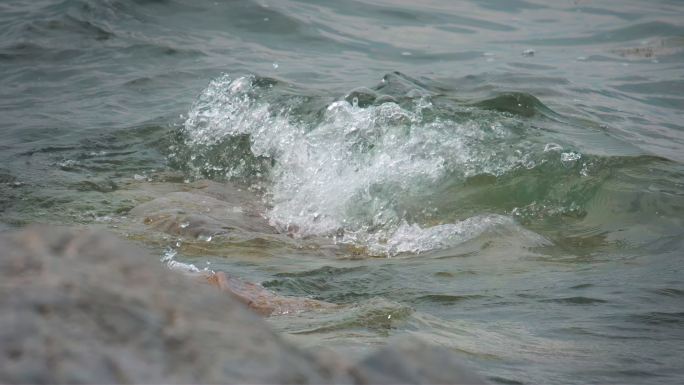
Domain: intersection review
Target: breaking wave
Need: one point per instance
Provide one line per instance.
(374, 167)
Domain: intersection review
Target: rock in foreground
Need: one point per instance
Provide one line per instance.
(84, 307)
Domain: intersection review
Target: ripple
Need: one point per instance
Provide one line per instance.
(446, 299)
(576, 300)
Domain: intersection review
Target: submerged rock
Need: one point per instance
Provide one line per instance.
(86, 307)
(196, 214)
(207, 218)
(260, 299)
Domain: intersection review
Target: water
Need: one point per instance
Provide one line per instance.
(504, 178)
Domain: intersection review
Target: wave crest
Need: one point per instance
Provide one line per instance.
(362, 167)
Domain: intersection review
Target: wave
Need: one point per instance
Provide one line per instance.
(398, 167)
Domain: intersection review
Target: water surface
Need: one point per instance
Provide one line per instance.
(504, 178)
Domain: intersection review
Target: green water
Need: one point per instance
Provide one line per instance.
(501, 178)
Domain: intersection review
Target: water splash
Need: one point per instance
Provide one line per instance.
(356, 172)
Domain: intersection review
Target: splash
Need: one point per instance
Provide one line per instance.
(362, 169)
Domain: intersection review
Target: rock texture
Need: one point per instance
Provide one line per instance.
(85, 307)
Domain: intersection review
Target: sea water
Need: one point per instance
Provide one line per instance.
(508, 175)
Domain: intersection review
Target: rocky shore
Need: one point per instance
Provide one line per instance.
(88, 307)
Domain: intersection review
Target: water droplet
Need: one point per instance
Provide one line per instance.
(528, 52)
(275, 66)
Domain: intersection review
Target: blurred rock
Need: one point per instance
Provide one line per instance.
(85, 307)
(410, 360)
(80, 307)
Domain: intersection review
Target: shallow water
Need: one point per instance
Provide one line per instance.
(504, 178)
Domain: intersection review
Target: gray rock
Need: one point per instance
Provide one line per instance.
(81, 307)
(86, 307)
(412, 361)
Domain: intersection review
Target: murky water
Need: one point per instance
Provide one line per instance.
(504, 178)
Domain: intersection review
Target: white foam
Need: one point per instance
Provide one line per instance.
(351, 171)
(182, 267)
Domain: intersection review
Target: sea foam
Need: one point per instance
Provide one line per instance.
(361, 174)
